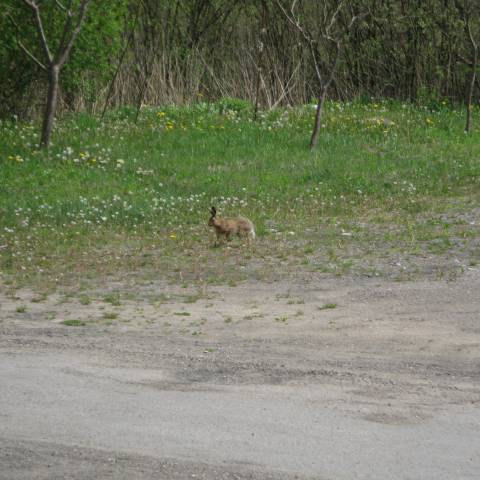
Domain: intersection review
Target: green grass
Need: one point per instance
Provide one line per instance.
(328, 306)
(110, 194)
(84, 299)
(112, 298)
(74, 323)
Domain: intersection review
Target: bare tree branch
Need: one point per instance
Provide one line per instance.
(31, 55)
(64, 52)
(472, 39)
(333, 20)
(41, 31)
(66, 29)
(61, 6)
(291, 18)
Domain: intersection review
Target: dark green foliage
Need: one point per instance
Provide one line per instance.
(88, 69)
(189, 51)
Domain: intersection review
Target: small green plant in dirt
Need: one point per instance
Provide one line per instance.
(298, 301)
(282, 319)
(192, 298)
(182, 314)
(84, 299)
(328, 306)
(112, 298)
(110, 315)
(74, 323)
(21, 309)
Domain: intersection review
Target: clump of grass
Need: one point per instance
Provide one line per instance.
(112, 298)
(192, 298)
(182, 314)
(84, 299)
(21, 309)
(328, 306)
(74, 323)
(110, 315)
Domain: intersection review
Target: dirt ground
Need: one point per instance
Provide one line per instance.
(337, 378)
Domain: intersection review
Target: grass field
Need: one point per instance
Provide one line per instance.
(389, 182)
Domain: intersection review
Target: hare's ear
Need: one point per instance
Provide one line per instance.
(213, 211)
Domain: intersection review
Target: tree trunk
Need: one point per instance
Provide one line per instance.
(468, 125)
(52, 96)
(318, 120)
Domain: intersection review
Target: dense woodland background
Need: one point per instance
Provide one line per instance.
(134, 52)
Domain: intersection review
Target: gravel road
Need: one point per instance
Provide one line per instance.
(384, 386)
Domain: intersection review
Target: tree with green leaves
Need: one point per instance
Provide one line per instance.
(53, 59)
(64, 40)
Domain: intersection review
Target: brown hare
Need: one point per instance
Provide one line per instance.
(240, 226)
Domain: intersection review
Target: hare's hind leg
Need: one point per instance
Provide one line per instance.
(250, 236)
(247, 235)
